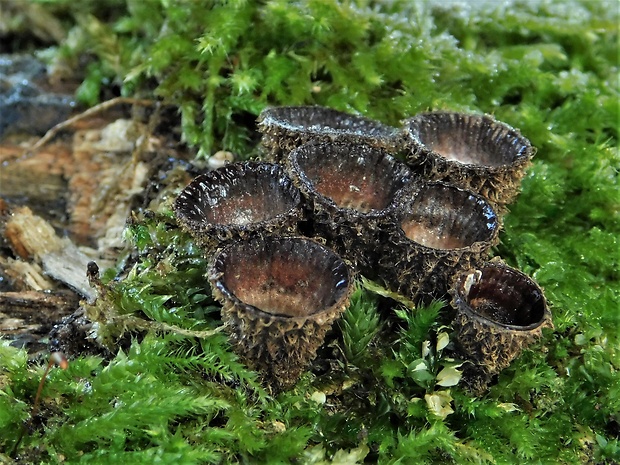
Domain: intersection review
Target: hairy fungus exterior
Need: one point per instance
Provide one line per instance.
(280, 295)
(499, 312)
(475, 152)
(286, 128)
(440, 229)
(238, 200)
(352, 191)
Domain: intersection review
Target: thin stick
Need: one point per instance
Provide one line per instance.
(103, 106)
(135, 322)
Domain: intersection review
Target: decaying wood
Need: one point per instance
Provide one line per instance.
(27, 317)
(100, 193)
(31, 237)
(40, 181)
(25, 276)
(20, 309)
(83, 187)
(49, 135)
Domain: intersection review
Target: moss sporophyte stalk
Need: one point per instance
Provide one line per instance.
(155, 374)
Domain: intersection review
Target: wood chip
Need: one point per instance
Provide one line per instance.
(31, 237)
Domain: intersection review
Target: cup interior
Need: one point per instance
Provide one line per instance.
(288, 277)
(353, 176)
(507, 297)
(445, 217)
(469, 139)
(238, 195)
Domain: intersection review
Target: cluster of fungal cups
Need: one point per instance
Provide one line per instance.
(287, 236)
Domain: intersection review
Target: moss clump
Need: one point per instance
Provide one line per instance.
(548, 68)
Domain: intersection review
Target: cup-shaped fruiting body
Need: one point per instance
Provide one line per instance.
(285, 128)
(238, 200)
(279, 295)
(475, 152)
(440, 230)
(499, 312)
(352, 191)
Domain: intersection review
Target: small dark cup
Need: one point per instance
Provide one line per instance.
(474, 152)
(286, 128)
(280, 295)
(352, 191)
(239, 200)
(499, 312)
(440, 230)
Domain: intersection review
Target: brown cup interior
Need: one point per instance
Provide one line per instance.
(353, 176)
(507, 297)
(289, 277)
(470, 139)
(238, 195)
(445, 217)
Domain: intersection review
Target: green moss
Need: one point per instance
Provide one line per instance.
(546, 67)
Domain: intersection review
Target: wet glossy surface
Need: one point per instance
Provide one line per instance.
(290, 277)
(468, 139)
(444, 217)
(322, 120)
(24, 105)
(237, 195)
(506, 296)
(353, 176)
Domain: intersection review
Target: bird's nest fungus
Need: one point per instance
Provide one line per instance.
(285, 239)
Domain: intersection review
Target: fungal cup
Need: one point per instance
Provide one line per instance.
(474, 152)
(499, 312)
(352, 191)
(280, 295)
(238, 200)
(440, 230)
(285, 128)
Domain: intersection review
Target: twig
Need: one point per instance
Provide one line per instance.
(130, 321)
(375, 287)
(103, 106)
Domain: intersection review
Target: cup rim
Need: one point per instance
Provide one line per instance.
(409, 197)
(216, 275)
(276, 116)
(247, 168)
(522, 158)
(462, 305)
(400, 174)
